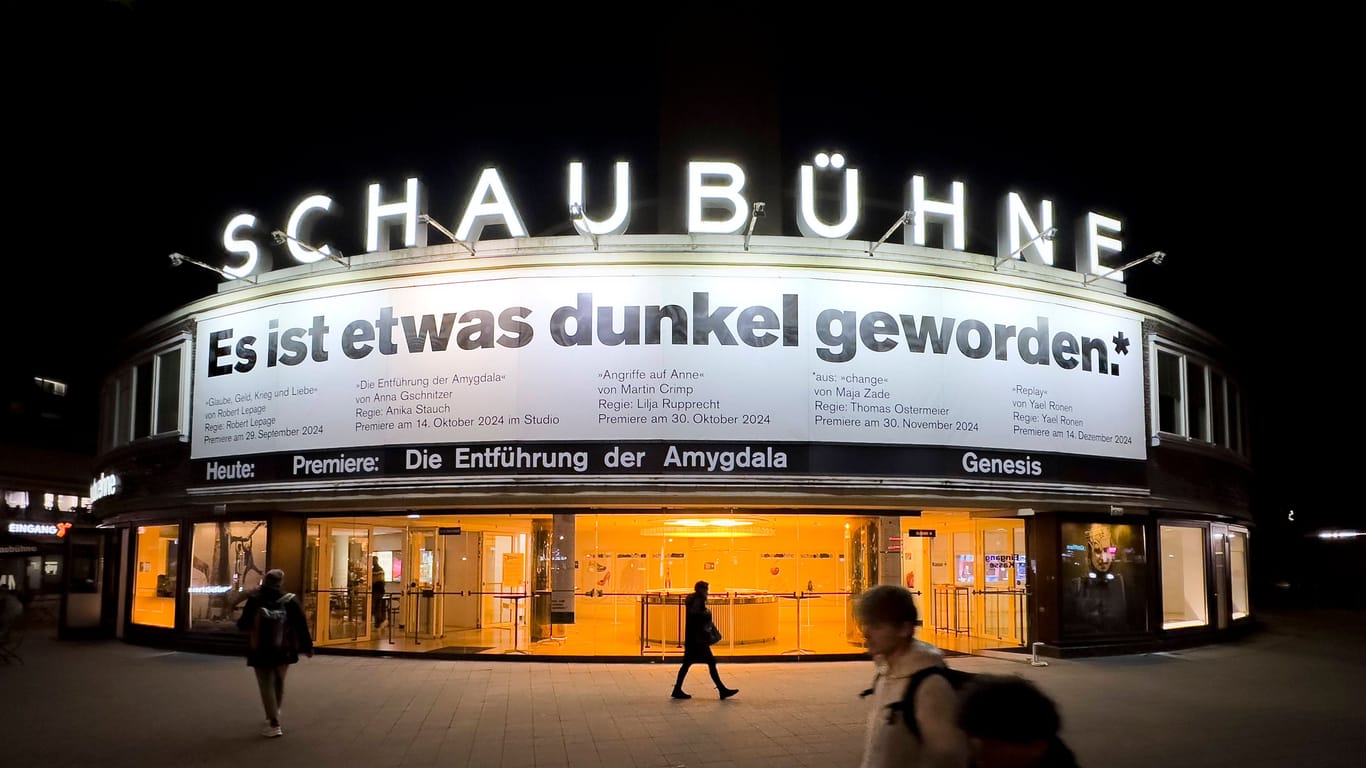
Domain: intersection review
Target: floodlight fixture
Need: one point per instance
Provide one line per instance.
(757, 212)
(177, 259)
(434, 224)
(904, 220)
(576, 214)
(332, 253)
(1155, 257)
(1049, 234)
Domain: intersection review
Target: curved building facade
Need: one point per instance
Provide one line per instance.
(538, 447)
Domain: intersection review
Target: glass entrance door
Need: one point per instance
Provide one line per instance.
(343, 584)
(461, 576)
(1000, 590)
(424, 609)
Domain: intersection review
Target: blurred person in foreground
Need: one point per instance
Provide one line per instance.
(887, 616)
(1010, 723)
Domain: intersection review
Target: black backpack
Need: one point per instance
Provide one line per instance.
(271, 631)
(957, 679)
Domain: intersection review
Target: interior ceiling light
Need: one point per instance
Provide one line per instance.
(718, 522)
(708, 532)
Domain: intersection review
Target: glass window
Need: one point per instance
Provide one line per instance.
(1218, 409)
(228, 560)
(1237, 569)
(49, 500)
(1169, 393)
(50, 386)
(66, 503)
(1104, 574)
(108, 400)
(1235, 422)
(168, 392)
(1197, 413)
(123, 409)
(16, 499)
(154, 584)
(85, 569)
(142, 398)
(1185, 602)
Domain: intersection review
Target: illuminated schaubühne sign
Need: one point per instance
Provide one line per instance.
(716, 204)
(605, 369)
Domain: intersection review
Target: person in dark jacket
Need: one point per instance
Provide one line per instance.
(377, 592)
(1010, 723)
(697, 643)
(270, 662)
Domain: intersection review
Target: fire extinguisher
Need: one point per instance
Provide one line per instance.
(910, 580)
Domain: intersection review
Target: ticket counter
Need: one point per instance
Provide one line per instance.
(744, 616)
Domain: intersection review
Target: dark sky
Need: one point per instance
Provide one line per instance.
(147, 124)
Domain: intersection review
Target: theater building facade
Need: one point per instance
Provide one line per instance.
(536, 446)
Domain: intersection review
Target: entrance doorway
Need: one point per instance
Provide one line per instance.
(970, 578)
(445, 582)
(337, 582)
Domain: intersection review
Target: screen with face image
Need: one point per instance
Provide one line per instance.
(1104, 580)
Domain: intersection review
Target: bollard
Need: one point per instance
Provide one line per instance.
(1034, 660)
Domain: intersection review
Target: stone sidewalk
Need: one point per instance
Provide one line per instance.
(1285, 697)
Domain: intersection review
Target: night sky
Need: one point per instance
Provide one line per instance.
(145, 126)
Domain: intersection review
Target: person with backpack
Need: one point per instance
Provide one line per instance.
(278, 633)
(914, 717)
(1010, 723)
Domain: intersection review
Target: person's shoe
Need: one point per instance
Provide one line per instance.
(726, 693)
(679, 694)
(271, 731)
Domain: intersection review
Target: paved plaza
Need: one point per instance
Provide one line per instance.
(1287, 696)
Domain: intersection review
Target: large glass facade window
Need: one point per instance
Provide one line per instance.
(1237, 569)
(608, 584)
(1185, 602)
(155, 581)
(1105, 575)
(228, 560)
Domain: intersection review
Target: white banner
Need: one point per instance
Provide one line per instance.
(669, 353)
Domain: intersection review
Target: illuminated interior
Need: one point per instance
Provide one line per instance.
(780, 584)
(155, 578)
(1183, 577)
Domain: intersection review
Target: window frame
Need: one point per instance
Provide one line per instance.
(1235, 422)
(118, 418)
(1206, 571)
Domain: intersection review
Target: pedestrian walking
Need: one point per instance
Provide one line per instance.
(887, 616)
(1010, 723)
(278, 634)
(699, 635)
(377, 592)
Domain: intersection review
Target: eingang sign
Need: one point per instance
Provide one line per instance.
(668, 370)
(713, 187)
(39, 529)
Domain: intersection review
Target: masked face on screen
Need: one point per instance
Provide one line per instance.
(1102, 549)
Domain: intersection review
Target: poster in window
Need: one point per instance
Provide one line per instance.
(1104, 580)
